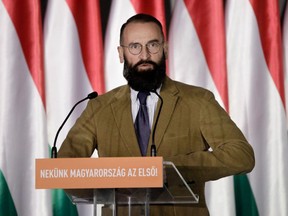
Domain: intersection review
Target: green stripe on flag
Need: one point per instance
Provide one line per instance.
(62, 205)
(7, 206)
(244, 198)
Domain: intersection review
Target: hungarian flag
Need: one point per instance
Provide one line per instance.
(257, 102)
(23, 135)
(197, 56)
(119, 13)
(74, 68)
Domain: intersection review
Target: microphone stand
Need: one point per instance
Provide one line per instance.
(54, 148)
(153, 146)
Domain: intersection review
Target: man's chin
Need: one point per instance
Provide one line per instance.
(144, 76)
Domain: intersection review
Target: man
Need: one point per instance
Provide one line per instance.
(193, 131)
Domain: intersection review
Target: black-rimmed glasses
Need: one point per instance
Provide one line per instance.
(153, 47)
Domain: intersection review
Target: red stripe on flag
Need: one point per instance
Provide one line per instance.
(26, 17)
(88, 20)
(268, 19)
(208, 19)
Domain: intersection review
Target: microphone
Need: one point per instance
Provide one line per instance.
(153, 152)
(54, 148)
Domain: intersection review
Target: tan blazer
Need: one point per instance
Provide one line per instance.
(193, 131)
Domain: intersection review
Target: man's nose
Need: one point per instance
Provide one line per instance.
(145, 54)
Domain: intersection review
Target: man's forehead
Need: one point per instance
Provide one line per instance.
(142, 31)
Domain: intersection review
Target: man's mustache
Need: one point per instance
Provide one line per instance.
(145, 62)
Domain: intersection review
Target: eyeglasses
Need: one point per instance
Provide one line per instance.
(136, 48)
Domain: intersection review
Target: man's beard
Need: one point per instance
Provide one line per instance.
(145, 80)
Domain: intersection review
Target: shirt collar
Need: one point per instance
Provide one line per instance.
(152, 95)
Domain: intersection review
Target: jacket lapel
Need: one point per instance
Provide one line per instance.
(170, 98)
(122, 113)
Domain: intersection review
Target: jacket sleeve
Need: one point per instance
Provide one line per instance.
(226, 150)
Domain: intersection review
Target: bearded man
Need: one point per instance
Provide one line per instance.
(193, 131)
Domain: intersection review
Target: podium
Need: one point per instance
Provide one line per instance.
(133, 191)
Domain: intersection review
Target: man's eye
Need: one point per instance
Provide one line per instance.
(153, 45)
(134, 46)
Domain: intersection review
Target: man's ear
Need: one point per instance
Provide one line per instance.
(165, 48)
(120, 54)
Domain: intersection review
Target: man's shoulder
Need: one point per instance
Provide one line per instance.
(116, 91)
(112, 95)
(187, 89)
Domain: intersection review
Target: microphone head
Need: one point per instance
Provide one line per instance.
(92, 95)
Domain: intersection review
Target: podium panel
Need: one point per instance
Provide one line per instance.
(134, 188)
(104, 172)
